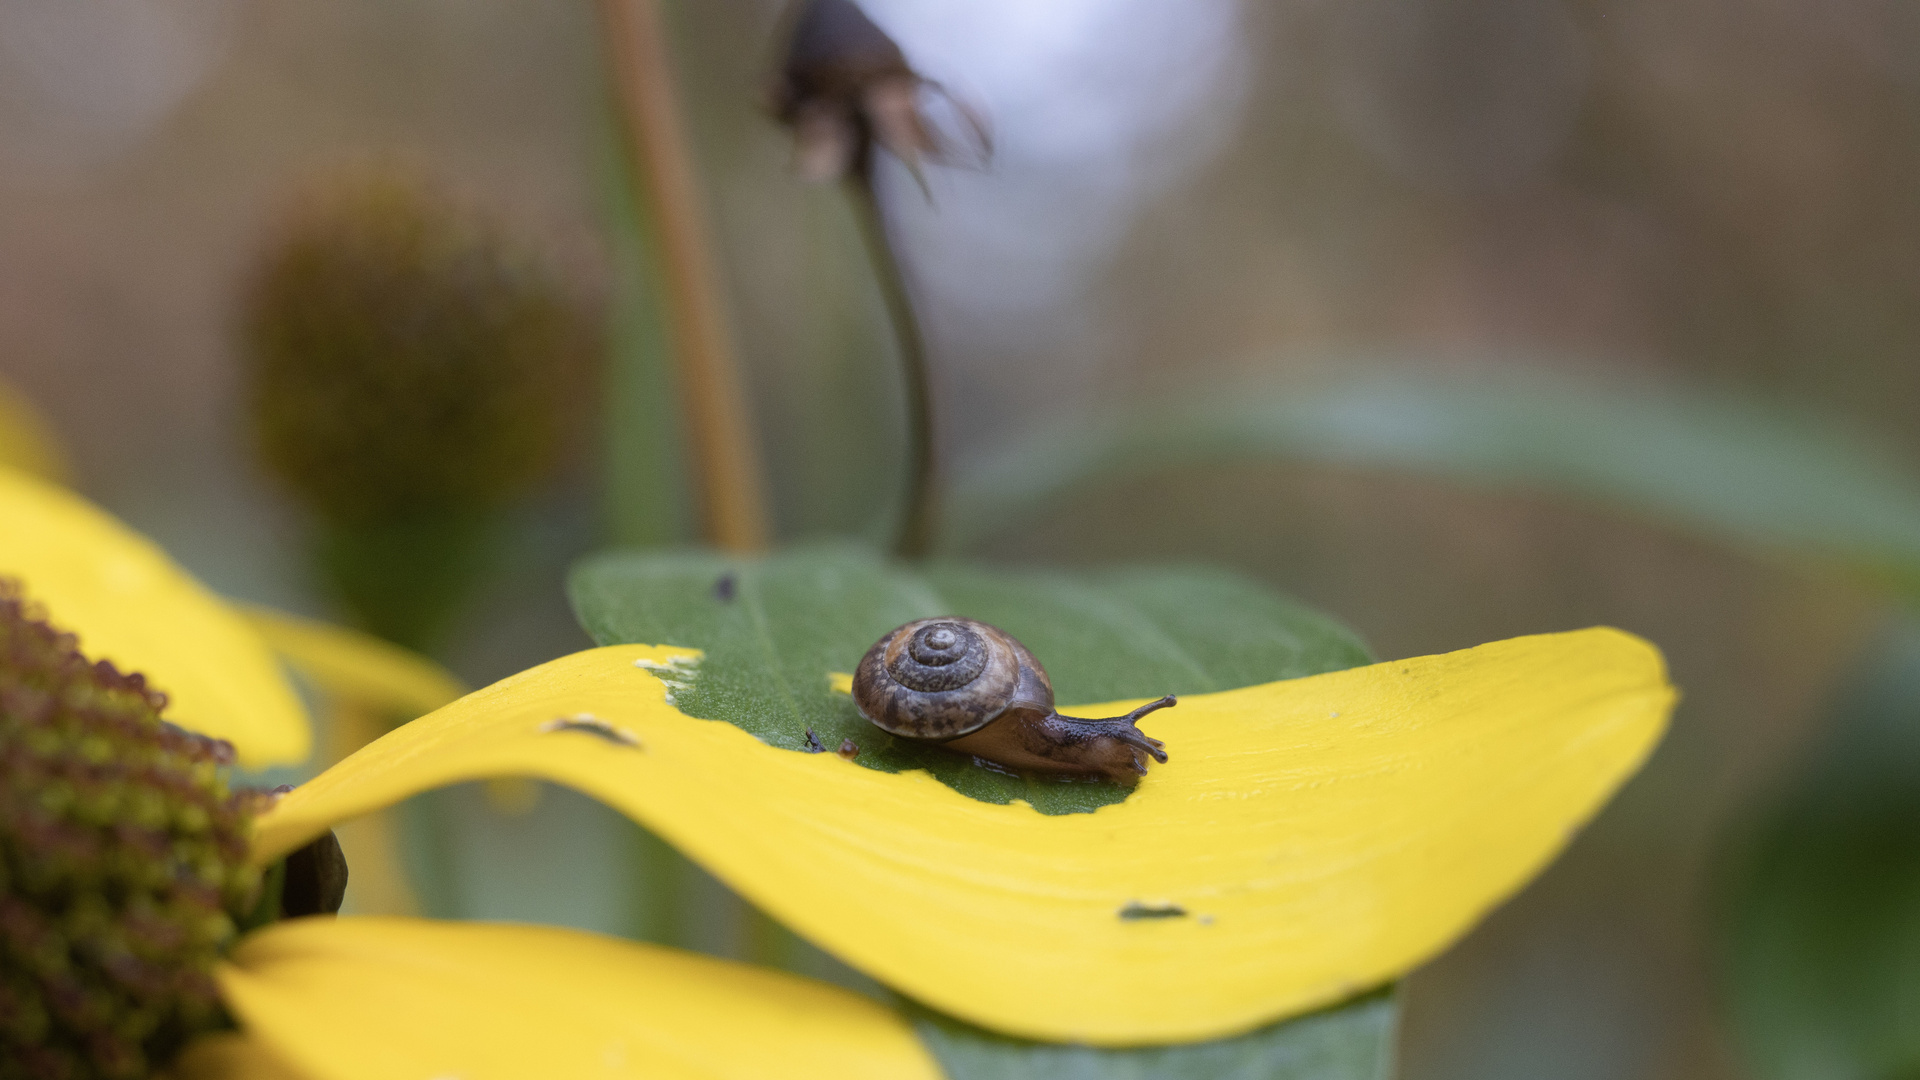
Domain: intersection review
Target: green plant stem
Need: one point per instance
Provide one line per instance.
(725, 453)
(660, 912)
(920, 515)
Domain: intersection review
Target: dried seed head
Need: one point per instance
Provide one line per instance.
(846, 87)
(408, 360)
(123, 863)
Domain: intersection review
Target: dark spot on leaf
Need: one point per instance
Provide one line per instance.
(1134, 909)
(593, 725)
(848, 750)
(723, 589)
(814, 745)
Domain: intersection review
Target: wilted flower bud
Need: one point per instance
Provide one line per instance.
(123, 863)
(407, 358)
(846, 86)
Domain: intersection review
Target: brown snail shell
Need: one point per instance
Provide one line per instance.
(973, 689)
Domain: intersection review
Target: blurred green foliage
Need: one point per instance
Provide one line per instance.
(1350, 1042)
(1744, 472)
(1821, 927)
(1821, 916)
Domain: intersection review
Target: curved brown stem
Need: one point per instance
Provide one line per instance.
(919, 519)
(725, 452)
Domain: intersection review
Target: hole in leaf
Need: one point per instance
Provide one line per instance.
(1136, 909)
(592, 725)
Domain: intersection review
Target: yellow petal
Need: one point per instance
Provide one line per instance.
(356, 667)
(132, 605)
(26, 442)
(408, 999)
(370, 842)
(369, 685)
(1322, 835)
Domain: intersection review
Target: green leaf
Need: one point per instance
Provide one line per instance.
(1741, 471)
(1350, 1042)
(773, 628)
(1821, 920)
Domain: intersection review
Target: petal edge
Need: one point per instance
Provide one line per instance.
(1317, 836)
(376, 998)
(131, 604)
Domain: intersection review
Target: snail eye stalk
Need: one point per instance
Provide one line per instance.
(1123, 729)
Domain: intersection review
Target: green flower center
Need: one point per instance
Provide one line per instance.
(123, 863)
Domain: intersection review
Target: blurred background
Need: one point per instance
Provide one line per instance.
(1717, 194)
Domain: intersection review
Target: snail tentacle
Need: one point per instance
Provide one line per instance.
(1121, 727)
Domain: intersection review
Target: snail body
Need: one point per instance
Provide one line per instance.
(973, 689)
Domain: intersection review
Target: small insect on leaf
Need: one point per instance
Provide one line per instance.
(814, 745)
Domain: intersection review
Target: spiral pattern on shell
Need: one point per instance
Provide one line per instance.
(938, 679)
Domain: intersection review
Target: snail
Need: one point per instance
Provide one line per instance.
(973, 689)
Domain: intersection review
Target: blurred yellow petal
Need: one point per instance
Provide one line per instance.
(131, 604)
(1309, 839)
(26, 442)
(408, 999)
(356, 667)
(370, 842)
(369, 685)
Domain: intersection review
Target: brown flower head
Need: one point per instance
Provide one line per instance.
(123, 863)
(408, 356)
(413, 371)
(846, 87)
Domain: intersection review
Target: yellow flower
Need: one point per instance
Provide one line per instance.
(1313, 838)
(131, 604)
(349, 666)
(375, 997)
